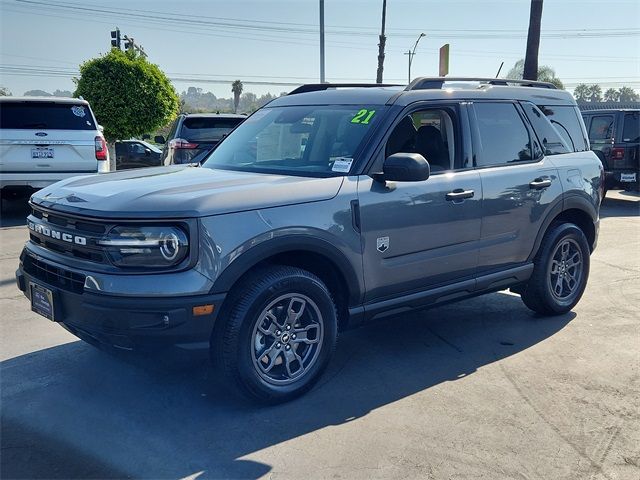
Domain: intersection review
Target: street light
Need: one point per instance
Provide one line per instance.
(411, 53)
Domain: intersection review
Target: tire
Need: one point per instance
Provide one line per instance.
(276, 335)
(560, 273)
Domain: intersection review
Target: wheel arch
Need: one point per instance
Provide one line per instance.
(574, 209)
(317, 256)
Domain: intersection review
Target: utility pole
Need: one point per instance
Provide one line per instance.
(322, 41)
(533, 41)
(383, 41)
(130, 45)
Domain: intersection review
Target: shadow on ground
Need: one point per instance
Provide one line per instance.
(14, 211)
(74, 412)
(625, 204)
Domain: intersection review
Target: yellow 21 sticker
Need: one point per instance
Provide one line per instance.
(363, 116)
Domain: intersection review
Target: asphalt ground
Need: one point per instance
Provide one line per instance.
(479, 389)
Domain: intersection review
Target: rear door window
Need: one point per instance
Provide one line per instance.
(601, 129)
(504, 137)
(45, 116)
(201, 129)
(631, 131)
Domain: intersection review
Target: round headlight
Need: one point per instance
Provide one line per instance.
(146, 246)
(169, 246)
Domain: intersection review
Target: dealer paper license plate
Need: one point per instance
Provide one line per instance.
(42, 301)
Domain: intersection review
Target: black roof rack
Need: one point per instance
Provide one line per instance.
(315, 87)
(425, 83)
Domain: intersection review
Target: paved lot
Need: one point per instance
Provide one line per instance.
(480, 389)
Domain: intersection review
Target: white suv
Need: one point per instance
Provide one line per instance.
(47, 139)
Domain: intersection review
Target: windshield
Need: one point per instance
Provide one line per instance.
(306, 140)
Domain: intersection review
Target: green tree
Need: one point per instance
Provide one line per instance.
(545, 74)
(236, 88)
(128, 95)
(628, 95)
(581, 92)
(4, 92)
(594, 93)
(611, 95)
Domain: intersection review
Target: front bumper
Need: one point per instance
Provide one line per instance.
(126, 322)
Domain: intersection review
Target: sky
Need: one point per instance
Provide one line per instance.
(208, 44)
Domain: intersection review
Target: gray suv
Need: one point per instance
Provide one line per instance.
(329, 207)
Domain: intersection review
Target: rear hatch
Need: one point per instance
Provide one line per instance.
(47, 136)
(198, 135)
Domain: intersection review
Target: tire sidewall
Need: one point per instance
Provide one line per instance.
(305, 285)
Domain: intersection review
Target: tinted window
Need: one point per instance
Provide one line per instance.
(45, 116)
(631, 132)
(601, 129)
(503, 135)
(566, 120)
(552, 143)
(306, 140)
(207, 128)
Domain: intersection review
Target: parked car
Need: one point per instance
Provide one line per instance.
(136, 154)
(192, 136)
(44, 140)
(331, 206)
(614, 134)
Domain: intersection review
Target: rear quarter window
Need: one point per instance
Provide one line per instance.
(566, 120)
(45, 116)
(631, 130)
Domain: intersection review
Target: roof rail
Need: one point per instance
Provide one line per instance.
(425, 83)
(315, 87)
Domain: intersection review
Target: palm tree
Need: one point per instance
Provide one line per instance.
(533, 41)
(611, 95)
(236, 88)
(545, 74)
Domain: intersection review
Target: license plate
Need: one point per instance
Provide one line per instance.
(42, 301)
(627, 177)
(42, 153)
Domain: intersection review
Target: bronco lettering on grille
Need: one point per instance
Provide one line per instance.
(56, 234)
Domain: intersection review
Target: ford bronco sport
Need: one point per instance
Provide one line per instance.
(331, 206)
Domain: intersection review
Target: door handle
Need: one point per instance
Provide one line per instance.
(459, 194)
(540, 183)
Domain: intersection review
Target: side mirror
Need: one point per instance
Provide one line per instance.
(159, 139)
(405, 167)
(147, 152)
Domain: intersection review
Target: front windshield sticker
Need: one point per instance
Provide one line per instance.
(341, 164)
(78, 111)
(363, 117)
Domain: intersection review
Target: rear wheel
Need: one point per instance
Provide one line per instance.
(561, 270)
(277, 335)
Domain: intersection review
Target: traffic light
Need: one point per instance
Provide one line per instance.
(115, 38)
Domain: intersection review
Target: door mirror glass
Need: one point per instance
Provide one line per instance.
(406, 167)
(159, 139)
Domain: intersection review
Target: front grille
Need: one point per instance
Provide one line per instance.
(55, 276)
(88, 230)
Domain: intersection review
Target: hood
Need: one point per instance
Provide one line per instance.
(181, 192)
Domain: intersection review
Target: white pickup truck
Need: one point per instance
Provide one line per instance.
(47, 139)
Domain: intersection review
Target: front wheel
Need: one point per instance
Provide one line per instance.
(561, 270)
(277, 335)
